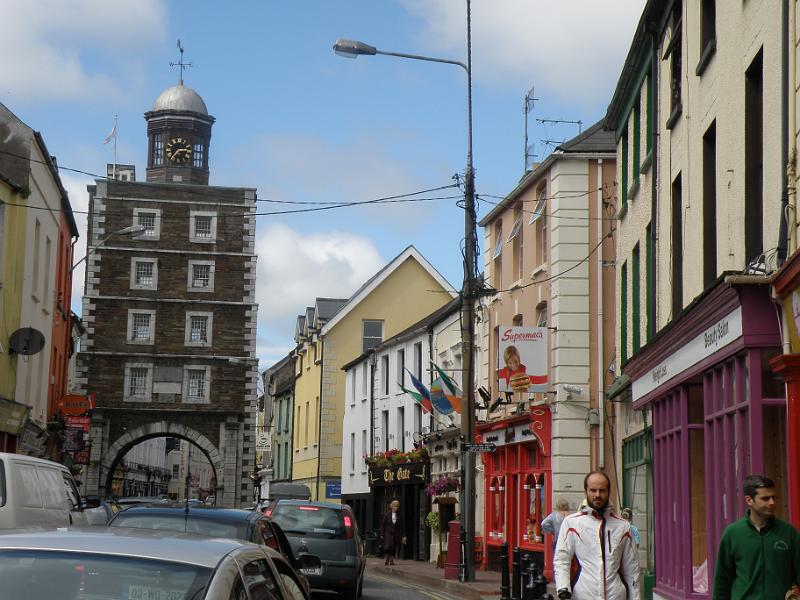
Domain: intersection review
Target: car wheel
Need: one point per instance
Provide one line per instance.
(351, 593)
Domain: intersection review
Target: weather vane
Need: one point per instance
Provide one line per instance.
(180, 62)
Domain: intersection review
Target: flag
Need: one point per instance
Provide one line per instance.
(438, 397)
(426, 395)
(425, 404)
(451, 390)
(113, 134)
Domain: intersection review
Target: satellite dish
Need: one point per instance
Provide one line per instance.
(26, 341)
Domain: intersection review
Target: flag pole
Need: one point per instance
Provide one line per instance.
(114, 168)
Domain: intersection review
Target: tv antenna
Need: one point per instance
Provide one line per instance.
(526, 108)
(579, 123)
(180, 62)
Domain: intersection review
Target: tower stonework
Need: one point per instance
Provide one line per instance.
(170, 313)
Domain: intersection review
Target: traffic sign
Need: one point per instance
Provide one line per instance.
(478, 447)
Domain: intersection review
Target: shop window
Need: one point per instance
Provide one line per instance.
(637, 489)
(774, 424)
(533, 509)
(697, 491)
(772, 385)
(497, 495)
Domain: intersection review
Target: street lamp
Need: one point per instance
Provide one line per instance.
(133, 231)
(354, 49)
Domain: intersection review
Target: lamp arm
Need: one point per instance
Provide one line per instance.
(427, 58)
(92, 250)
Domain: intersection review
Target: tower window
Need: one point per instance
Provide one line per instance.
(197, 155)
(203, 226)
(158, 149)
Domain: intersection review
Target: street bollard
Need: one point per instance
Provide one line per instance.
(504, 584)
(516, 575)
(529, 591)
(523, 576)
(540, 583)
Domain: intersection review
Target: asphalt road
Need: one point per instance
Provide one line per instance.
(377, 587)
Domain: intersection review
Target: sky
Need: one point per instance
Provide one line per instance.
(302, 124)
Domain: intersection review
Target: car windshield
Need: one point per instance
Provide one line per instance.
(179, 522)
(44, 575)
(309, 521)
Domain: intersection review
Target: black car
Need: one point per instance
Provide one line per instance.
(230, 523)
(330, 532)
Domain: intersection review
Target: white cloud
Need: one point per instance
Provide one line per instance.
(79, 200)
(43, 50)
(572, 49)
(295, 268)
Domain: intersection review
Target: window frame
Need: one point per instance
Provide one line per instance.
(185, 398)
(385, 375)
(190, 276)
(148, 393)
(156, 223)
(187, 341)
(193, 237)
(364, 336)
(142, 259)
(150, 340)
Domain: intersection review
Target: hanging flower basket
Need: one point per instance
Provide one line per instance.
(395, 457)
(443, 485)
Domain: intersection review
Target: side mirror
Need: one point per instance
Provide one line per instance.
(92, 501)
(370, 536)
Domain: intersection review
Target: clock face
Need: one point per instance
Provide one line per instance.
(179, 150)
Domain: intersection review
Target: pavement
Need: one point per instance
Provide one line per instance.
(426, 574)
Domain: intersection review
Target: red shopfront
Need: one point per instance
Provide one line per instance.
(518, 490)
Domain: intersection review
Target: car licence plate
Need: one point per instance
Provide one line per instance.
(317, 571)
(144, 592)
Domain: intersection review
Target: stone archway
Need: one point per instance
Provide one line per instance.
(129, 439)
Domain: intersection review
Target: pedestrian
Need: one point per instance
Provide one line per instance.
(552, 522)
(627, 514)
(759, 555)
(602, 544)
(392, 532)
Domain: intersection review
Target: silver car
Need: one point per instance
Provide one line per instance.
(140, 564)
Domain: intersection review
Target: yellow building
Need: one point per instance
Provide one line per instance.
(403, 292)
(13, 215)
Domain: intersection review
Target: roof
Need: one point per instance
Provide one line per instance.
(594, 142)
(433, 319)
(66, 207)
(336, 505)
(180, 98)
(155, 544)
(373, 282)
(196, 511)
(328, 307)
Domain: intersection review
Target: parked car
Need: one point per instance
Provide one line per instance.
(103, 513)
(129, 500)
(215, 522)
(121, 564)
(35, 492)
(330, 532)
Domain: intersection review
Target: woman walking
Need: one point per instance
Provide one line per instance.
(392, 532)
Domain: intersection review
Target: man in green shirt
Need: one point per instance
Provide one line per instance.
(759, 555)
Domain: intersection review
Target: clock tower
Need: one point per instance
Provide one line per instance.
(178, 137)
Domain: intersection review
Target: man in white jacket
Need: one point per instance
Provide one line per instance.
(602, 545)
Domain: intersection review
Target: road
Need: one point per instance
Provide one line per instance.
(377, 587)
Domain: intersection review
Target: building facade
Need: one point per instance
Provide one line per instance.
(280, 387)
(699, 222)
(549, 264)
(170, 314)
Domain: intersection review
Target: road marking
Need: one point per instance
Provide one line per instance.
(408, 585)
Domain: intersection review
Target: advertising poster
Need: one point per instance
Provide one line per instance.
(522, 359)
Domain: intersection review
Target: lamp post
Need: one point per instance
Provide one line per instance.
(353, 49)
(133, 231)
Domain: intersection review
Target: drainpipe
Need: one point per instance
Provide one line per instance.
(373, 358)
(784, 225)
(651, 251)
(601, 369)
(319, 422)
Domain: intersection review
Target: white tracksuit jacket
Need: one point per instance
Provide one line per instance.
(607, 554)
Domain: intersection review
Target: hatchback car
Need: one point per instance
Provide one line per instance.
(125, 564)
(330, 532)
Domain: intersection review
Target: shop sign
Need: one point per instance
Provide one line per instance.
(333, 489)
(722, 333)
(487, 447)
(263, 441)
(399, 474)
(12, 415)
(73, 439)
(76, 404)
(522, 359)
(523, 432)
(33, 439)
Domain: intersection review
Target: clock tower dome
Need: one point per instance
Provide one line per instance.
(178, 137)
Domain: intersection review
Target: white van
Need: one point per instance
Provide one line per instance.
(37, 493)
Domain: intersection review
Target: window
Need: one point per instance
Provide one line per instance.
(401, 429)
(541, 203)
(677, 246)
(158, 149)
(637, 487)
(650, 330)
(138, 382)
(144, 273)
(623, 313)
(541, 318)
(675, 53)
(650, 114)
(141, 326)
(710, 205)
(515, 238)
(352, 378)
(417, 418)
(199, 329)
(635, 298)
(48, 250)
(202, 226)
(175, 471)
(352, 452)
(754, 159)
(385, 374)
(364, 450)
(708, 34)
(418, 360)
(37, 242)
(541, 237)
(198, 155)
(150, 219)
(372, 334)
(201, 276)
(637, 135)
(516, 320)
(385, 429)
(364, 381)
(401, 368)
(196, 384)
(497, 257)
(623, 142)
